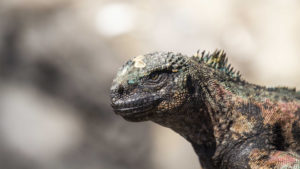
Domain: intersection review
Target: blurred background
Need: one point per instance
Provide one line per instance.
(58, 59)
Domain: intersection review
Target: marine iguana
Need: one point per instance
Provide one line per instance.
(230, 122)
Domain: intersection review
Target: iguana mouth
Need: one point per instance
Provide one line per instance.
(135, 109)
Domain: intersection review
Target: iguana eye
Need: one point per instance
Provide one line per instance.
(154, 76)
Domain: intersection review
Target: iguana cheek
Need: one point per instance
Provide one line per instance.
(173, 102)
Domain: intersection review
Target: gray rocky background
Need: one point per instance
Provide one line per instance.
(58, 58)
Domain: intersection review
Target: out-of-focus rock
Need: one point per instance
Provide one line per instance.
(57, 113)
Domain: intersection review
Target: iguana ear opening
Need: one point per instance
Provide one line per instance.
(189, 84)
(193, 89)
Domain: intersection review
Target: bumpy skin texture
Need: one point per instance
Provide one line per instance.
(229, 122)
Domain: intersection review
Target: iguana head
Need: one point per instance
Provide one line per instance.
(150, 85)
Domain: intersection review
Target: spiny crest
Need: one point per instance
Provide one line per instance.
(217, 60)
(298, 94)
(284, 90)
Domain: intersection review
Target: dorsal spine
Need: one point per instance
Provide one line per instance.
(217, 60)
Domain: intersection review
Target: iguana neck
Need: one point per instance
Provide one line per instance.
(195, 126)
(198, 120)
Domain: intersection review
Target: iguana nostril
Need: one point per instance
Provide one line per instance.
(120, 89)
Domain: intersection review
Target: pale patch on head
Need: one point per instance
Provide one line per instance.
(124, 71)
(138, 61)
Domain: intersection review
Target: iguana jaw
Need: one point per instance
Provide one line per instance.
(138, 109)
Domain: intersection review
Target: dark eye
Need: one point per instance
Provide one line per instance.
(156, 78)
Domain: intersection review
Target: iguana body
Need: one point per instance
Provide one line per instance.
(230, 122)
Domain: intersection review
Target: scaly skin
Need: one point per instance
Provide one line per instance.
(229, 122)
